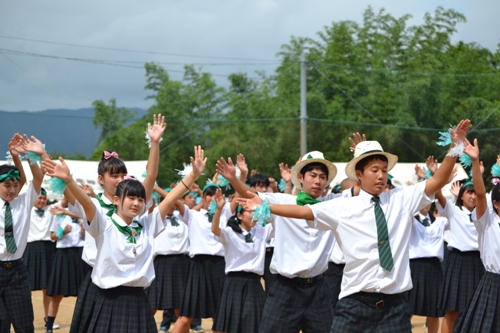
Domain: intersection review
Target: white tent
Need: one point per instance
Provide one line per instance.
(86, 172)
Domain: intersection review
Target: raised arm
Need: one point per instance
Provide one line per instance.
(16, 148)
(62, 172)
(294, 211)
(155, 133)
(286, 174)
(227, 170)
(438, 180)
(477, 178)
(220, 199)
(34, 145)
(198, 162)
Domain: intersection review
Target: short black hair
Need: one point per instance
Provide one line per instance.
(6, 168)
(130, 187)
(313, 166)
(259, 179)
(364, 162)
(112, 165)
(210, 190)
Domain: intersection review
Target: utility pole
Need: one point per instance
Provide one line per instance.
(303, 104)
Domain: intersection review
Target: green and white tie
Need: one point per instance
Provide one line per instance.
(384, 248)
(9, 230)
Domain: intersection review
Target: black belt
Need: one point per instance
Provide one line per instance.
(11, 264)
(308, 280)
(269, 249)
(377, 300)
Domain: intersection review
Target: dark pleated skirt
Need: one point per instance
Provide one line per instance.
(483, 314)
(241, 304)
(427, 278)
(462, 275)
(122, 310)
(203, 287)
(87, 294)
(67, 272)
(167, 289)
(39, 258)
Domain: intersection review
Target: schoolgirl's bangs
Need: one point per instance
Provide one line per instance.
(111, 165)
(130, 188)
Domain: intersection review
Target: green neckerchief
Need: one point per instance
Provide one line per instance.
(305, 199)
(111, 207)
(131, 231)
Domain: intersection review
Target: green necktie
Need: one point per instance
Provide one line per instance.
(384, 248)
(425, 222)
(173, 221)
(248, 238)
(9, 230)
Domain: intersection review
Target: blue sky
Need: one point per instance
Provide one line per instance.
(211, 34)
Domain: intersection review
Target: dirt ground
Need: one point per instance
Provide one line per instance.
(68, 304)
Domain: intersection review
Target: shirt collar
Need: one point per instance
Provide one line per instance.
(367, 197)
(422, 217)
(122, 223)
(106, 200)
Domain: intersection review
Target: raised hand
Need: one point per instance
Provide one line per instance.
(156, 130)
(88, 190)
(226, 169)
(242, 164)
(199, 161)
(251, 203)
(455, 189)
(458, 135)
(419, 172)
(33, 145)
(220, 199)
(286, 173)
(54, 169)
(356, 138)
(432, 164)
(472, 149)
(16, 145)
(56, 210)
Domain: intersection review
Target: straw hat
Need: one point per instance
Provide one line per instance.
(365, 149)
(313, 157)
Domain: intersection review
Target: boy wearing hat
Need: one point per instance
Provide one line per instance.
(373, 231)
(299, 298)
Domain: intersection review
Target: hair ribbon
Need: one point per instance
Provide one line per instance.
(108, 155)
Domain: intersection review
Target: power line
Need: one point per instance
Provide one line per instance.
(131, 51)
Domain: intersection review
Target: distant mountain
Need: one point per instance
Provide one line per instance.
(62, 130)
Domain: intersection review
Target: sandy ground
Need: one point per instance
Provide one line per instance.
(68, 304)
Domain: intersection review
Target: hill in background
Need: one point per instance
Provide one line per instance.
(62, 130)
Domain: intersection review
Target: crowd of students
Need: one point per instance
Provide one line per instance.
(364, 257)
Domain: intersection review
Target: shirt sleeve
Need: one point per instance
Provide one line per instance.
(415, 198)
(224, 235)
(326, 215)
(97, 225)
(186, 216)
(269, 231)
(154, 222)
(482, 223)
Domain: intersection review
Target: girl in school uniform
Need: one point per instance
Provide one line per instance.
(206, 272)
(483, 313)
(243, 298)
(124, 262)
(40, 250)
(464, 267)
(426, 255)
(171, 262)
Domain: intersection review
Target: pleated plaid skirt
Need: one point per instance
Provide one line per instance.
(203, 287)
(39, 258)
(167, 289)
(483, 314)
(241, 304)
(87, 294)
(427, 278)
(122, 310)
(67, 273)
(462, 275)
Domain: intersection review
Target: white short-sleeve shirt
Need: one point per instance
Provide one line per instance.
(40, 225)
(488, 228)
(173, 239)
(427, 242)
(242, 256)
(201, 238)
(74, 238)
(299, 250)
(353, 223)
(463, 233)
(21, 213)
(120, 262)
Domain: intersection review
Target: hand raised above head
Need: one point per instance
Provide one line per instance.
(155, 131)
(226, 169)
(199, 161)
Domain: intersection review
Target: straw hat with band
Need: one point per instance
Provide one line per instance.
(313, 157)
(365, 149)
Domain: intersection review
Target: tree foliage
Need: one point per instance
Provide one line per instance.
(397, 83)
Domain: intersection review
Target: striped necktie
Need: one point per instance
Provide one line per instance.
(9, 230)
(173, 221)
(425, 222)
(384, 248)
(248, 238)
